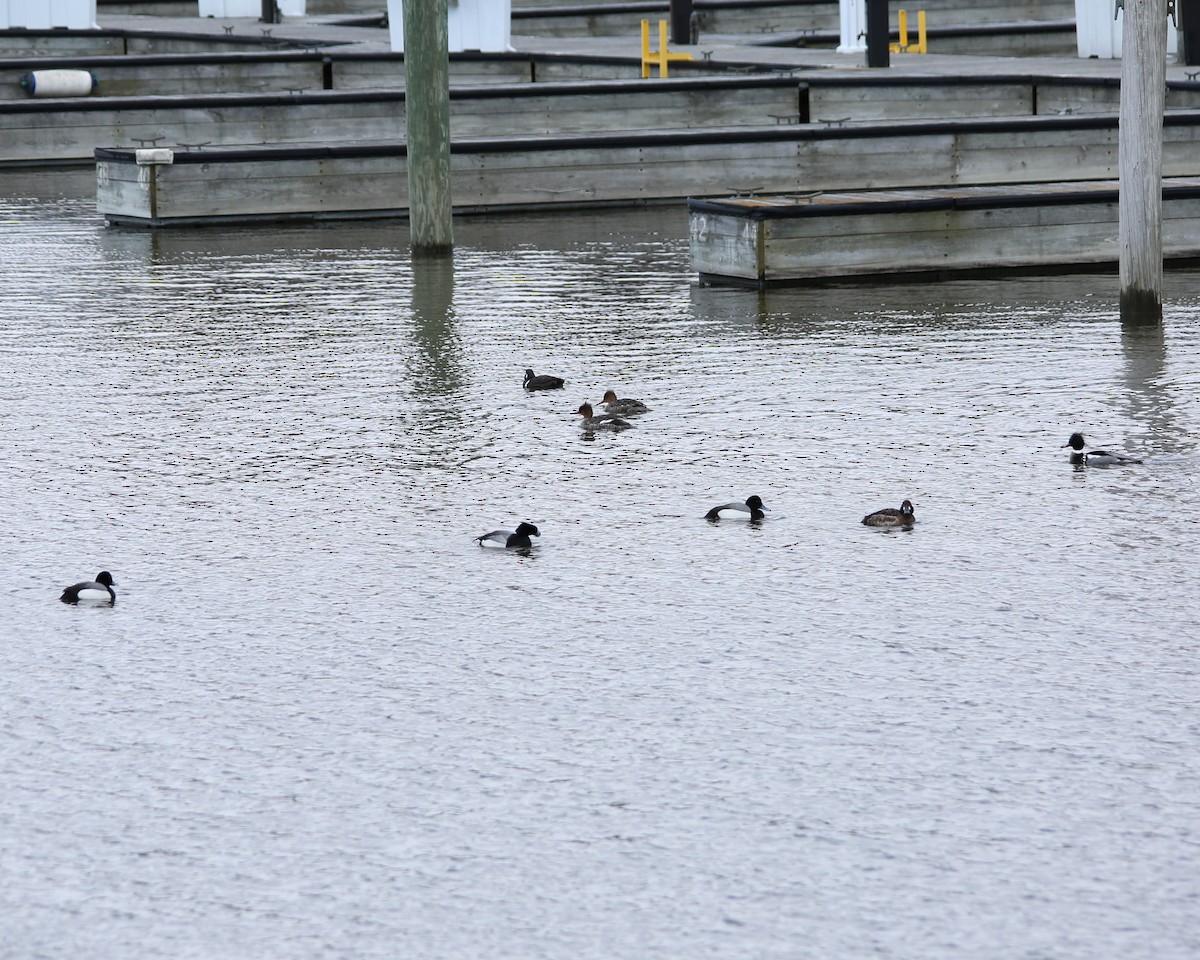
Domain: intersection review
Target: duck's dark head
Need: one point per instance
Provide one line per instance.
(1076, 441)
(105, 578)
(755, 503)
(585, 410)
(528, 376)
(906, 508)
(528, 530)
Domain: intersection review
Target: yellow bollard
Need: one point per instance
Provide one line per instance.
(904, 46)
(660, 57)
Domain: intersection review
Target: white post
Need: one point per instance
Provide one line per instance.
(1143, 95)
(854, 26)
(1098, 32)
(43, 15)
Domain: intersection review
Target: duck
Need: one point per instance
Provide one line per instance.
(603, 421)
(891, 517)
(98, 591)
(542, 381)
(623, 408)
(752, 505)
(512, 539)
(1095, 458)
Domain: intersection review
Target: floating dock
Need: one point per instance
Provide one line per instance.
(808, 21)
(227, 184)
(60, 130)
(257, 98)
(762, 242)
(196, 121)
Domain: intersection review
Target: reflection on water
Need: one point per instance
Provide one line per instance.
(322, 720)
(1151, 396)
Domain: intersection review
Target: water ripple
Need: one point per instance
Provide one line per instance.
(322, 720)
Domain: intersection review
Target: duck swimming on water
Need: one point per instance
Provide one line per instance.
(891, 517)
(98, 591)
(625, 407)
(542, 381)
(512, 539)
(603, 421)
(752, 505)
(1095, 458)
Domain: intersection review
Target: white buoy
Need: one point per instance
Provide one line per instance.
(59, 83)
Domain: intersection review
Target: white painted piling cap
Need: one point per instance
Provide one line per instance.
(154, 155)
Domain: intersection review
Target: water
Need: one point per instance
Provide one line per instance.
(322, 722)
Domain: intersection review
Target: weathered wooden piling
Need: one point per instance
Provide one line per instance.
(1143, 85)
(427, 81)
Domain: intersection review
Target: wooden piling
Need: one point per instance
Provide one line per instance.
(1143, 85)
(427, 111)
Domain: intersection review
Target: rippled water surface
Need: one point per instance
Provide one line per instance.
(322, 722)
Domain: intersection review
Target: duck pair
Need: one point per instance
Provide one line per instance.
(617, 407)
(887, 517)
(614, 418)
(519, 539)
(602, 421)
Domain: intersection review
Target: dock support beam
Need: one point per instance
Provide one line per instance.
(1143, 94)
(877, 34)
(427, 125)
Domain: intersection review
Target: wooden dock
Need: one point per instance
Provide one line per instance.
(759, 18)
(41, 131)
(498, 173)
(776, 241)
(207, 121)
(258, 70)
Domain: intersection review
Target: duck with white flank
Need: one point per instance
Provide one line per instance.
(98, 591)
(512, 539)
(602, 421)
(1095, 458)
(891, 517)
(624, 407)
(752, 505)
(542, 382)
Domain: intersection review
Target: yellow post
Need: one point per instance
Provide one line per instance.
(660, 57)
(903, 46)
